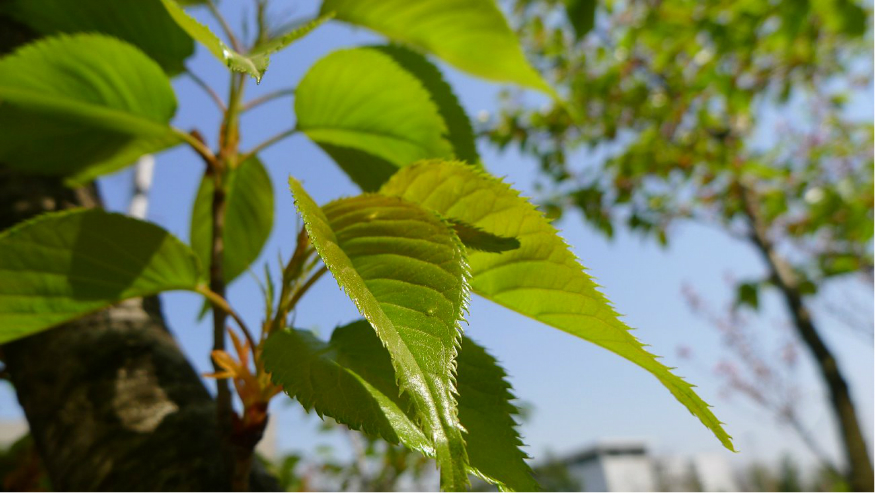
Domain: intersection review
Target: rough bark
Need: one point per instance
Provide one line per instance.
(860, 473)
(112, 402)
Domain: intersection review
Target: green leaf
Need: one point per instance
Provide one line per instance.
(748, 294)
(405, 270)
(255, 63)
(143, 23)
(75, 101)
(343, 105)
(248, 218)
(282, 41)
(202, 34)
(476, 238)
(351, 380)
(581, 15)
(542, 279)
(60, 266)
(469, 34)
(460, 133)
(487, 413)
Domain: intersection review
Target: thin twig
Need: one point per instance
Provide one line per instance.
(305, 287)
(222, 303)
(267, 143)
(198, 146)
(235, 43)
(209, 90)
(267, 98)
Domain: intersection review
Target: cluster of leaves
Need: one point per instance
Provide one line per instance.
(674, 103)
(431, 227)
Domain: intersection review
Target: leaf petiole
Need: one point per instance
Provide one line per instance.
(221, 303)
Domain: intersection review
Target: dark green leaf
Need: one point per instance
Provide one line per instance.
(477, 239)
(581, 15)
(351, 380)
(748, 294)
(143, 23)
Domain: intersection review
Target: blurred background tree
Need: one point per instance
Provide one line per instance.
(672, 106)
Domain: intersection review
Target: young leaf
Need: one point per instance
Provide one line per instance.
(469, 34)
(280, 42)
(542, 279)
(143, 23)
(61, 266)
(343, 105)
(351, 380)
(72, 102)
(405, 270)
(248, 218)
(459, 130)
(254, 63)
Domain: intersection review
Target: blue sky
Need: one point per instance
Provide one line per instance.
(579, 392)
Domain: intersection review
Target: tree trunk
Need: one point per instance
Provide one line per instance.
(112, 402)
(860, 473)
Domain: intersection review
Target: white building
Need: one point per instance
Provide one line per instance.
(614, 466)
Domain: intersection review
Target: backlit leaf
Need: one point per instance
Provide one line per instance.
(254, 63)
(459, 130)
(60, 266)
(343, 104)
(469, 34)
(542, 279)
(73, 102)
(404, 268)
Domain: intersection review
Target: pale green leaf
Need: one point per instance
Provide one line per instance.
(60, 266)
(75, 101)
(469, 34)
(542, 279)
(405, 270)
(143, 23)
(361, 102)
(460, 133)
(248, 218)
(351, 380)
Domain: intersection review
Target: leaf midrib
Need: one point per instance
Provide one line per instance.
(100, 116)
